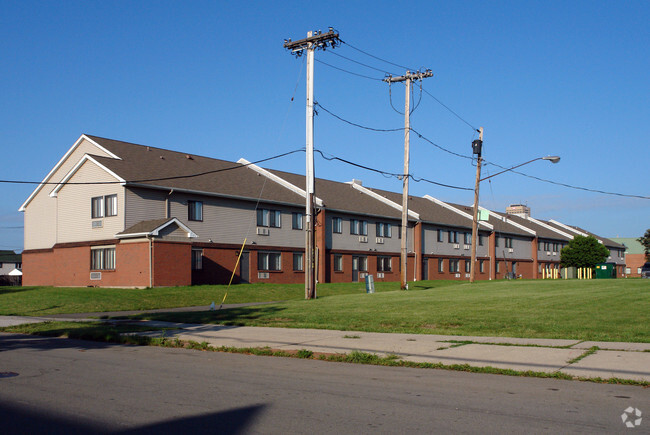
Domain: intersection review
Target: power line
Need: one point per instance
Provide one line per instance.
(355, 124)
(162, 178)
(450, 110)
(361, 63)
(389, 174)
(586, 189)
(349, 72)
(375, 57)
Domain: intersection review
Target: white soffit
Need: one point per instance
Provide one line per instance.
(566, 227)
(279, 180)
(514, 224)
(455, 210)
(60, 162)
(547, 226)
(383, 199)
(76, 167)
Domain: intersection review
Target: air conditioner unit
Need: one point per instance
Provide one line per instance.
(95, 276)
(261, 231)
(555, 253)
(511, 250)
(548, 252)
(466, 247)
(363, 239)
(363, 274)
(457, 275)
(98, 224)
(380, 274)
(379, 240)
(456, 246)
(263, 275)
(467, 275)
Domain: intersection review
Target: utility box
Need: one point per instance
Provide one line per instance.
(605, 271)
(370, 284)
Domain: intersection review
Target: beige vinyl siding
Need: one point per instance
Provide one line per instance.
(143, 205)
(41, 212)
(174, 233)
(229, 221)
(74, 206)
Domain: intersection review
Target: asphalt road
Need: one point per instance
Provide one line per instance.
(70, 386)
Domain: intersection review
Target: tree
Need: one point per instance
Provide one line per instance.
(645, 241)
(583, 252)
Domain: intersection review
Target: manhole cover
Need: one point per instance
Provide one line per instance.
(8, 374)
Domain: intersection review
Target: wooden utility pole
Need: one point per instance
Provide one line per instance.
(408, 77)
(313, 41)
(477, 150)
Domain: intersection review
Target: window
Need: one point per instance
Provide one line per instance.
(555, 247)
(268, 218)
(467, 238)
(440, 235)
(480, 239)
(481, 266)
(453, 265)
(110, 202)
(338, 263)
(441, 265)
(269, 261)
(195, 210)
(514, 267)
(297, 261)
(197, 259)
(102, 258)
(383, 229)
(383, 264)
(547, 246)
(337, 225)
(363, 264)
(498, 267)
(496, 241)
(296, 221)
(97, 207)
(358, 227)
(508, 242)
(467, 265)
(452, 237)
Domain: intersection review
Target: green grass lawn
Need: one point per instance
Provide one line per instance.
(608, 310)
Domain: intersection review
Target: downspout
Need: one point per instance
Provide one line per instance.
(150, 261)
(167, 204)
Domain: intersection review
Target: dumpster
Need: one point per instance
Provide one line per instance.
(605, 271)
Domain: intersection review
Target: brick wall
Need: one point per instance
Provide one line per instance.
(172, 264)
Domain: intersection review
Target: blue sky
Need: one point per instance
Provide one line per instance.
(212, 78)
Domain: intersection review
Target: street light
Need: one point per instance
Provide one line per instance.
(477, 150)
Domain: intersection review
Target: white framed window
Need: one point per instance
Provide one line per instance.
(296, 221)
(195, 210)
(337, 225)
(102, 258)
(481, 266)
(467, 266)
(110, 205)
(383, 264)
(452, 237)
(363, 264)
(298, 261)
(453, 265)
(480, 239)
(359, 227)
(197, 259)
(97, 207)
(441, 236)
(268, 218)
(384, 229)
(441, 265)
(338, 263)
(269, 261)
(467, 238)
(508, 242)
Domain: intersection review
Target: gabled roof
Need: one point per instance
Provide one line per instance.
(152, 228)
(7, 256)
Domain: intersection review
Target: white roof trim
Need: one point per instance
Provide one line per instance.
(279, 180)
(514, 224)
(455, 210)
(568, 228)
(156, 231)
(380, 198)
(58, 165)
(76, 167)
(549, 227)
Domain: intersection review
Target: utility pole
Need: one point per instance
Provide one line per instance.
(408, 77)
(313, 41)
(477, 146)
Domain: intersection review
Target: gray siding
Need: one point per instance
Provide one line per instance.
(433, 247)
(551, 254)
(351, 242)
(521, 248)
(143, 205)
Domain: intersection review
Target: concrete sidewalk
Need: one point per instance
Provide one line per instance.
(611, 360)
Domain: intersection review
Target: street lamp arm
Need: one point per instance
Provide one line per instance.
(553, 159)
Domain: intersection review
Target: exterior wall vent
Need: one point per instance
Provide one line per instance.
(379, 240)
(511, 250)
(261, 231)
(363, 239)
(456, 246)
(98, 224)
(95, 276)
(263, 275)
(466, 247)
